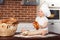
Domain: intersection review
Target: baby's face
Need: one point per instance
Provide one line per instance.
(40, 13)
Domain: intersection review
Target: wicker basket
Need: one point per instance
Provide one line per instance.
(7, 30)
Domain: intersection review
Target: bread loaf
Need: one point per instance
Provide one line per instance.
(36, 25)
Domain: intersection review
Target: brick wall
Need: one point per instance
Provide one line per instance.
(13, 8)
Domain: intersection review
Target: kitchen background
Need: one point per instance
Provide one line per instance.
(26, 14)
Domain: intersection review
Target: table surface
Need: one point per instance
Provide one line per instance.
(21, 38)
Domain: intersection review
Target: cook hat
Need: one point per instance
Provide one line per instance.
(44, 7)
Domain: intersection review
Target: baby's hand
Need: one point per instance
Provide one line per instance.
(25, 33)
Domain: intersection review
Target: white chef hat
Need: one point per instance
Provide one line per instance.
(44, 7)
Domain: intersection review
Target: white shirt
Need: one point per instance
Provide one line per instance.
(41, 21)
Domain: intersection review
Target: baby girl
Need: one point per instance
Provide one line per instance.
(40, 23)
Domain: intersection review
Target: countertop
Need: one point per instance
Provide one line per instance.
(39, 38)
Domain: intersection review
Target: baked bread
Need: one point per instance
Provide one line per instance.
(11, 21)
(36, 25)
(8, 21)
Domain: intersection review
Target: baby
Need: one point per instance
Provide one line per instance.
(40, 23)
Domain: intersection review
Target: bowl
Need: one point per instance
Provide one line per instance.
(7, 29)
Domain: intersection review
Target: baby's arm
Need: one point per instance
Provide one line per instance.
(44, 25)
